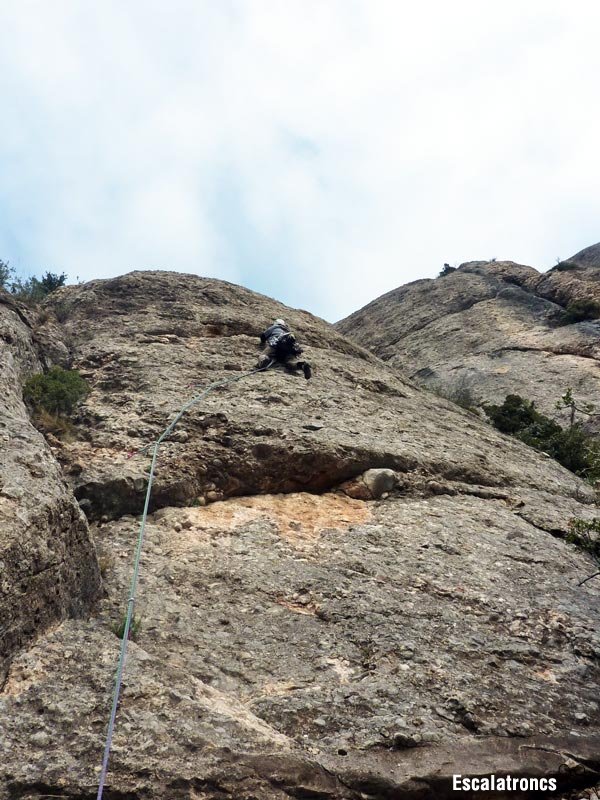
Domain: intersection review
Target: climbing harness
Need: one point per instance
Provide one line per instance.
(138, 552)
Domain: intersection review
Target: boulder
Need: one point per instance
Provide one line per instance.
(371, 485)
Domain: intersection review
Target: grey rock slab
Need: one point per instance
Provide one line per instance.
(294, 641)
(354, 415)
(341, 656)
(48, 567)
(490, 329)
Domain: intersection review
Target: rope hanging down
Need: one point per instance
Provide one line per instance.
(136, 567)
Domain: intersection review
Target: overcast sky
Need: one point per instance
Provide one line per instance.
(318, 151)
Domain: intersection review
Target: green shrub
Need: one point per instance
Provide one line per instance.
(586, 535)
(460, 394)
(581, 311)
(577, 451)
(513, 415)
(56, 424)
(51, 282)
(135, 627)
(61, 311)
(565, 266)
(106, 562)
(35, 290)
(56, 391)
(572, 447)
(6, 273)
(29, 289)
(542, 433)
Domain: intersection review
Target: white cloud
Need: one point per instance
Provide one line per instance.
(361, 143)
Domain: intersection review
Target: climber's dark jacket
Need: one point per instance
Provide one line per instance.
(273, 334)
(282, 347)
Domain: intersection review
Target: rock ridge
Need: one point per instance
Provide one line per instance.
(487, 329)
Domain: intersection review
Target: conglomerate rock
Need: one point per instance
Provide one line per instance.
(318, 646)
(148, 341)
(489, 329)
(48, 568)
(577, 279)
(296, 641)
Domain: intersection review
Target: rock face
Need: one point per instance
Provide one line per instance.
(490, 329)
(576, 279)
(48, 568)
(148, 341)
(350, 587)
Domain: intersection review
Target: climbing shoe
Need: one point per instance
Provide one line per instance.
(307, 370)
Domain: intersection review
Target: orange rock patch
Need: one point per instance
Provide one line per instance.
(300, 517)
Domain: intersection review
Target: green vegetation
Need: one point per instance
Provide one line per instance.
(581, 311)
(61, 311)
(6, 274)
(53, 395)
(460, 394)
(56, 424)
(134, 628)
(30, 289)
(514, 415)
(585, 534)
(55, 392)
(572, 447)
(568, 401)
(565, 266)
(106, 562)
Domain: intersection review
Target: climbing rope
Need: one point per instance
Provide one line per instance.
(136, 567)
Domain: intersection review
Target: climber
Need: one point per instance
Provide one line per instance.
(282, 346)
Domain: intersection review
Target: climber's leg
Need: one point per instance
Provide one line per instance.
(266, 358)
(299, 366)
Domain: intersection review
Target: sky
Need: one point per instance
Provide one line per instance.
(321, 152)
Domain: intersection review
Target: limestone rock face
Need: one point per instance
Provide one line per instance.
(350, 588)
(297, 644)
(490, 329)
(48, 568)
(147, 342)
(580, 281)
